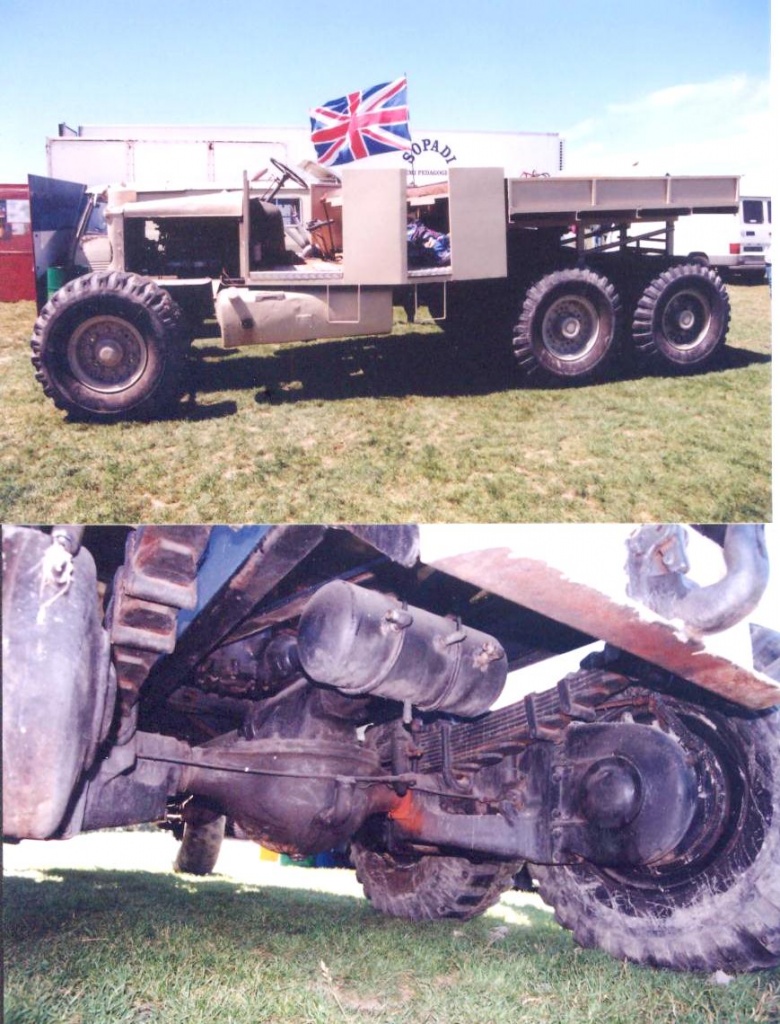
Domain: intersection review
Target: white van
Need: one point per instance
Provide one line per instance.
(736, 243)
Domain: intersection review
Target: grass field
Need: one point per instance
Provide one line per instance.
(397, 430)
(143, 946)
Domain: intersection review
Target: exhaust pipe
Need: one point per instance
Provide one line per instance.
(363, 643)
(657, 565)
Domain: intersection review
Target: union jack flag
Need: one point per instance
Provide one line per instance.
(361, 124)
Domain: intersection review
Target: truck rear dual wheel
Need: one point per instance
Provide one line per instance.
(714, 903)
(568, 326)
(109, 344)
(429, 887)
(682, 319)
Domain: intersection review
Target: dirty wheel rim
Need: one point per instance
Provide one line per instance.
(686, 319)
(570, 327)
(106, 353)
(720, 817)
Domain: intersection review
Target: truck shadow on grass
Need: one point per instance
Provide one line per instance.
(415, 364)
(130, 892)
(422, 365)
(73, 907)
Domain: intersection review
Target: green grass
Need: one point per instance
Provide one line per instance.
(103, 947)
(398, 429)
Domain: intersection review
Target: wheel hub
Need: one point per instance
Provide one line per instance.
(686, 319)
(107, 354)
(570, 327)
(611, 793)
(629, 796)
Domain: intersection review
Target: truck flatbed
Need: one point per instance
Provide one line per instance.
(569, 199)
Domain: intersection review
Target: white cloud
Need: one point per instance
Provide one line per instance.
(717, 127)
(686, 95)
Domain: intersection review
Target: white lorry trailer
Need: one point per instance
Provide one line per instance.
(187, 156)
(506, 266)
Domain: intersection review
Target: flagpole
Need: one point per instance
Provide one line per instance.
(409, 108)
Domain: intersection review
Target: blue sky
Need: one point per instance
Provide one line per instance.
(653, 86)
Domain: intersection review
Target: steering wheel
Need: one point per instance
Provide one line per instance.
(288, 172)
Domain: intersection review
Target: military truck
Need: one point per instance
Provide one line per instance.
(368, 686)
(555, 274)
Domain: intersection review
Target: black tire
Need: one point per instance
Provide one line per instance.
(568, 326)
(682, 319)
(200, 846)
(108, 344)
(430, 887)
(58, 684)
(715, 903)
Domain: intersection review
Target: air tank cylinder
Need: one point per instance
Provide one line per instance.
(366, 643)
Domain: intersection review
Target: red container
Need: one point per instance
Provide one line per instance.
(17, 273)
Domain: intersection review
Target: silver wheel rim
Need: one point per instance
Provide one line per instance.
(686, 319)
(570, 327)
(107, 354)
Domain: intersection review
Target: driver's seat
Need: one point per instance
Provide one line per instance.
(266, 236)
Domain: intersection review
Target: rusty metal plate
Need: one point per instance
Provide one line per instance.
(527, 574)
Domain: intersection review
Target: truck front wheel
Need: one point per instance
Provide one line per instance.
(568, 326)
(682, 318)
(108, 344)
(58, 682)
(714, 903)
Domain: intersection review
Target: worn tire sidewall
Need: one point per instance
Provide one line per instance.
(123, 297)
(712, 928)
(706, 282)
(541, 297)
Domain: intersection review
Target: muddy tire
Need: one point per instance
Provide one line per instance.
(429, 887)
(200, 846)
(714, 904)
(110, 344)
(58, 684)
(568, 327)
(682, 319)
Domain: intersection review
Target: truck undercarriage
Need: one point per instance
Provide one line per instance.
(324, 688)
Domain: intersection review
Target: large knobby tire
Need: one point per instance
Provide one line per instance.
(714, 904)
(200, 846)
(568, 327)
(109, 344)
(429, 887)
(682, 319)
